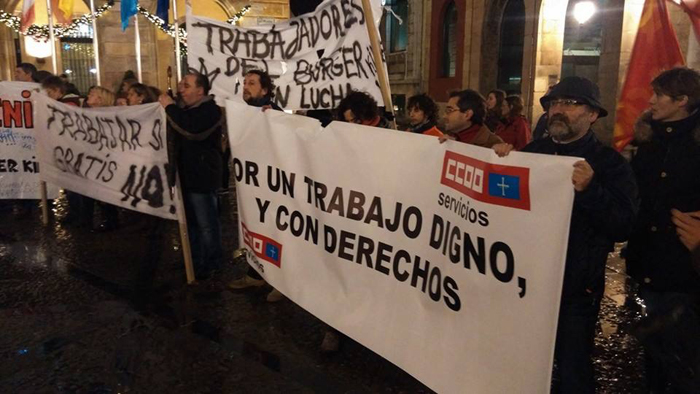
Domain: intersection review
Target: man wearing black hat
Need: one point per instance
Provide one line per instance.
(605, 207)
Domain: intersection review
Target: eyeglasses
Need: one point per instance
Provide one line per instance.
(449, 110)
(565, 102)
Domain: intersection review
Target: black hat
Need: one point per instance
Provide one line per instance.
(576, 88)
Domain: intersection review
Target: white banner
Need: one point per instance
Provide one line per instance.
(314, 59)
(116, 154)
(19, 168)
(443, 258)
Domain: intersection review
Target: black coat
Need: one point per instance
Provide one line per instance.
(603, 214)
(667, 167)
(196, 135)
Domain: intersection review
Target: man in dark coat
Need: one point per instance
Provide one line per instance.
(667, 167)
(604, 211)
(195, 132)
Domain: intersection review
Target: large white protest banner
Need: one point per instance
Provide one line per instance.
(442, 258)
(314, 59)
(117, 154)
(19, 168)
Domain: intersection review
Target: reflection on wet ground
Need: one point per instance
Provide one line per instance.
(109, 312)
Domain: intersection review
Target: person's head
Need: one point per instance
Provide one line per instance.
(25, 72)
(54, 87)
(100, 97)
(676, 94)
(41, 75)
(257, 86)
(494, 100)
(121, 100)
(127, 83)
(137, 94)
(422, 108)
(574, 105)
(512, 106)
(193, 88)
(358, 107)
(464, 109)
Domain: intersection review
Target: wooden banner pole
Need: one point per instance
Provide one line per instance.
(184, 235)
(378, 60)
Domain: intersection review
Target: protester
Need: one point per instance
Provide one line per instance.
(540, 131)
(121, 100)
(258, 91)
(25, 72)
(101, 97)
(361, 108)
(56, 89)
(667, 168)
(604, 211)
(423, 112)
(195, 131)
(139, 93)
(494, 103)
(41, 75)
(515, 130)
(464, 120)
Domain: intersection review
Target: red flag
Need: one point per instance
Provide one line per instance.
(27, 15)
(655, 49)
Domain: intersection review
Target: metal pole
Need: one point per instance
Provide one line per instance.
(95, 43)
(54, 63)
(51, 38)
(177, 42)
(138, 47)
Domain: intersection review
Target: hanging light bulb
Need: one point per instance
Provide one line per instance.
(38, 49)
(584, 10)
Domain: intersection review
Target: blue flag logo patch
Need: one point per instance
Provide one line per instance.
(504, 186)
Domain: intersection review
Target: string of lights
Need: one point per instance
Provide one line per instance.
(41, 32)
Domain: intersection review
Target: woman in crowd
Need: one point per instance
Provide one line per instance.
(101, 97)
(423, 112)
(494, 102)
(515, 129)
(141, 94)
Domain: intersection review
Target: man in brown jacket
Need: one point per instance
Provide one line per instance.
(464, 119)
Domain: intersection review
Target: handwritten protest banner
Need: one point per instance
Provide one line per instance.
(314, 59)
(19, 168)
(117, 155)
(443, 258)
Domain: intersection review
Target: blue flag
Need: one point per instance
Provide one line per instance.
(128, 10)
(504, 186)
(162, 10)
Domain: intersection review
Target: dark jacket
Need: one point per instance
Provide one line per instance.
(196, 135)
(667, 167)
(603, 214)
(541, 127)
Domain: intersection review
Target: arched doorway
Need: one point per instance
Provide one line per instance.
(510, 54)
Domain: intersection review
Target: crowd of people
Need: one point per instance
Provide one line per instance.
(653, 202)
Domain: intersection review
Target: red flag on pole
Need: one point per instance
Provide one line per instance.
(27, 14)
(655, 49)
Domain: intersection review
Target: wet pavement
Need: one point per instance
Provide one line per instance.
(109, 312)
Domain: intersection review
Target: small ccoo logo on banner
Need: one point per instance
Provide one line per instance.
(263, 247)
(490, 183)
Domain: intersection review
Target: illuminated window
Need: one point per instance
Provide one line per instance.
(397, 34)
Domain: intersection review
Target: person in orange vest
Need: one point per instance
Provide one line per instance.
(423, 113)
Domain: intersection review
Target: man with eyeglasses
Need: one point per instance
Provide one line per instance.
(605, 207)
(464, 120)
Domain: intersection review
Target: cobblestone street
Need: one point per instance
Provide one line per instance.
(78, 314)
